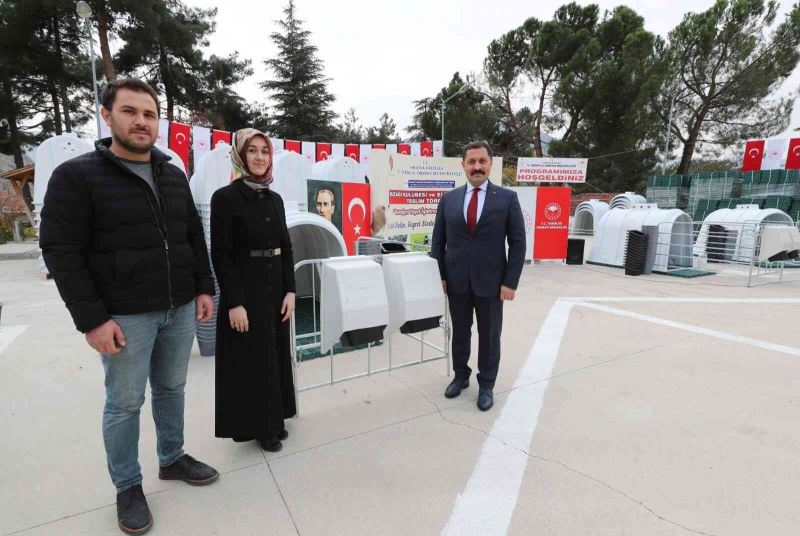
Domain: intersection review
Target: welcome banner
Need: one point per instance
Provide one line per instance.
(410, 187)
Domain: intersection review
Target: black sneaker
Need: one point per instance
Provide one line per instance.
(190, 471)
(133, 515)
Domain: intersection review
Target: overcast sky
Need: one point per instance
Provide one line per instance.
(382, 56)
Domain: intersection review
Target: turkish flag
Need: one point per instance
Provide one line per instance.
(220, 136)
(291, 145)
(426, 148)
(351, 151)
(793, 157)
(179, 137)
(323, 151)
(356, 214)
(404, 148)
(753, 154)
(379, 146)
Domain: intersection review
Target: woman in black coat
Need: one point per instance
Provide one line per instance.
(252, 257)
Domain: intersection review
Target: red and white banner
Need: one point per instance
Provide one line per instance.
(292, 145)
(163, 133)
(351, 151)
(426, 148)
(793, 156)
(527, 202)
(775, 153)
(551, 229)
(404, 148)
(309, 151)
(391, 148)
(337, 149)
(220, 136)
(415, 149)
(551, 170)
(201, 142)
(379, 146)
(438, 148)
(277, 145)
(753, 155)
(356, 213)
(179, 141)
(323, 151)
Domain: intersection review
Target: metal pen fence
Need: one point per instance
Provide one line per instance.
(375, 248)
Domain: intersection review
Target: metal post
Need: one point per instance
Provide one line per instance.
(94, 77)
(666, 141)
(443, 151)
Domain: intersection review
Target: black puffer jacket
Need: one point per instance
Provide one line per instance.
(113, 247)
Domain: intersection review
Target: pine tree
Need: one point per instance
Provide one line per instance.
(302, 101)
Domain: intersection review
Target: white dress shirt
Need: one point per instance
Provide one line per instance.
(481, 198)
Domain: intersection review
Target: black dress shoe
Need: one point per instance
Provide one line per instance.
(283, 435)
(133, 515)
(190, 471)
(272, 444)
(485, 399)
(455, 387)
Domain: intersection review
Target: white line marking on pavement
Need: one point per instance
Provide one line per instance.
(661, 299)
(488, 501)
(8, 334)
(696, 329)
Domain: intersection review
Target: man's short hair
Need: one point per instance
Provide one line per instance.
(478, 145)
(109, 92)
(327, 190)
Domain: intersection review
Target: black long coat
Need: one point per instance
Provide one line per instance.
(254, 385)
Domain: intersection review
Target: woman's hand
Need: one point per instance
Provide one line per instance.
(238, 316)
(288, 306)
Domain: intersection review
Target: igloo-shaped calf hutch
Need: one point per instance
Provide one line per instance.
(731, 234)
(290, 171)
(673, 236)
(338, 169)
(587, 215)
(50, 154)
(627, 200)
(313, 237)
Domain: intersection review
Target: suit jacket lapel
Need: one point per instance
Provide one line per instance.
(488, 202)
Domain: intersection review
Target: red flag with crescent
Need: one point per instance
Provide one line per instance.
(218, 136)
(292, 145)
(179, 138)
(793, 157)
(426, 148)
(356, 214)
(351, 151)
(753, 155)
(379, 146)
(404, 148)
(323, 151)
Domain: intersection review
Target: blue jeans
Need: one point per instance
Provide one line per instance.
(158, 346)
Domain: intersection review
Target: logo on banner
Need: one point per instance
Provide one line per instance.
(323, 155)
(552, 211)
(356, 202)
(755, 152)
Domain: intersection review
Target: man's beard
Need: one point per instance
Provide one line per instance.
(127, 144)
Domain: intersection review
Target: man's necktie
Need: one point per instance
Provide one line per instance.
(472, 211)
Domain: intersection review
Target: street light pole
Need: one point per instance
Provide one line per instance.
(461, 90)
(85, 12)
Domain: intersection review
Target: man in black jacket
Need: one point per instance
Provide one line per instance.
(123, 241)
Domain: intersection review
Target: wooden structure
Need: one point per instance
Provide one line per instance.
(18, 178)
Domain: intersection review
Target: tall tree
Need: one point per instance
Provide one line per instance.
(468, 116)
(163, 45)
(385, 132)
(298, 87)
(725, 66)
(605, 97)
(534, 57)
(350, 129)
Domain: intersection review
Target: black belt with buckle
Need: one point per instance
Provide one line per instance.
(265, 252)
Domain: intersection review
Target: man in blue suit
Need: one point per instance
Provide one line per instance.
(472, 225)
